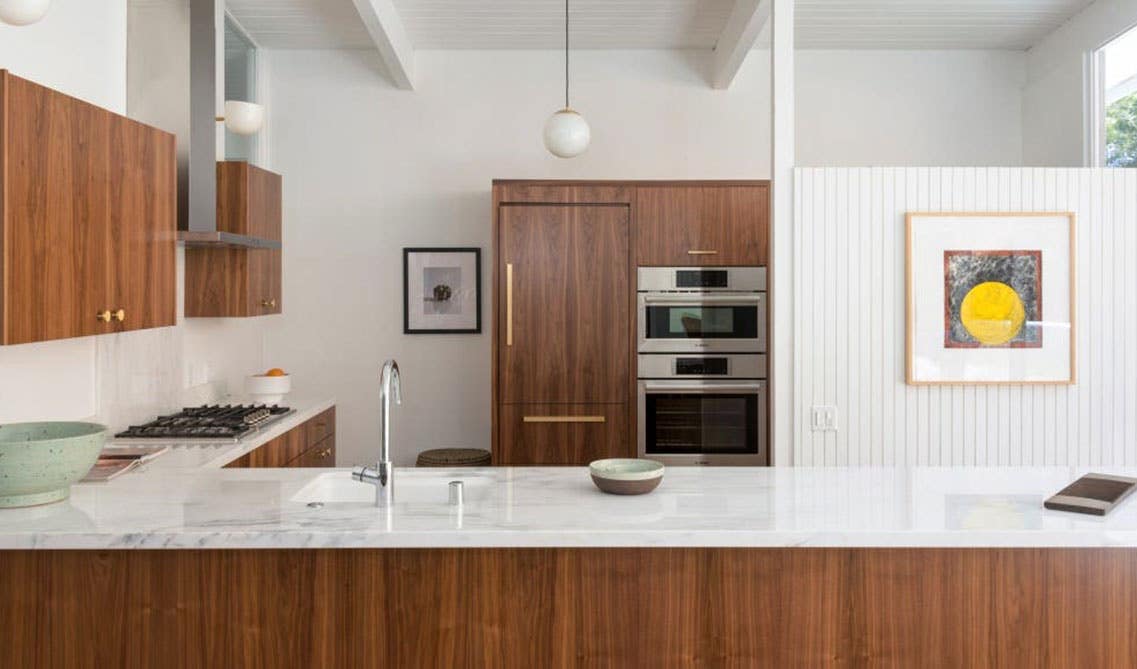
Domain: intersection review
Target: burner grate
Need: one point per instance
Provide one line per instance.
(209, 422)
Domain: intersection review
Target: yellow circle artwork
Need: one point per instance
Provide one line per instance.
(993, 313)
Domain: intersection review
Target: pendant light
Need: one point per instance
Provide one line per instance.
(23, 12)
(566, 132)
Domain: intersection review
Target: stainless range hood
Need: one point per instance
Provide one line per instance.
(172, 83)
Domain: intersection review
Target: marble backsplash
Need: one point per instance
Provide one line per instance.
(130, 377)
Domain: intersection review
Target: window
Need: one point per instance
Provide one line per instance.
(240, 84)
(1117, 65)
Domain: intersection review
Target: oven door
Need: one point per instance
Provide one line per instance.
(703, 422)
(700, 323)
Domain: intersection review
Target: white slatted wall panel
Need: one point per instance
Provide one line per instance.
(849, 323)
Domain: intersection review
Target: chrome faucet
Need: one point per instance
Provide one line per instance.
(382, 475)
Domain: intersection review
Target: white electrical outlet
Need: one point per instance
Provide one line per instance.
(823, 418)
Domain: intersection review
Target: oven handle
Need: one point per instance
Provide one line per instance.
(705, 387)
(702, 298)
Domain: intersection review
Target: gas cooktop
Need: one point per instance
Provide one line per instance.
(209, 423)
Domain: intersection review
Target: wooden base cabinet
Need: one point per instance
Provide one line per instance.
(87, 218)
(310, 444)
(563, 434)
(570, 607)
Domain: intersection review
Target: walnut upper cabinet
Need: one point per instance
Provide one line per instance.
(701, 225)
(238, 281)
(88, 214)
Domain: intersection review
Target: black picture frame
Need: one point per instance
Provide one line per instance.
(477, 251)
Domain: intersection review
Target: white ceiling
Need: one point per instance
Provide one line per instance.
(646, 24)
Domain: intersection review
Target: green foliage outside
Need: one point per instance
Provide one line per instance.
(1121, 132)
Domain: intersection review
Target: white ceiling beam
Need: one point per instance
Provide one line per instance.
(738, 37)
(390, 37)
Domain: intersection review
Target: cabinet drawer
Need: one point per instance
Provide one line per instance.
(276, 452)
(322, 454)
(322, 426)
(562, 434)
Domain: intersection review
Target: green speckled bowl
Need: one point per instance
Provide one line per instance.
(40, 461)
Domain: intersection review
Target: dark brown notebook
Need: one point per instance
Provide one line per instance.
(1095, 494)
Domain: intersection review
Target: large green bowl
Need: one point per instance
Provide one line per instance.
(40, 461)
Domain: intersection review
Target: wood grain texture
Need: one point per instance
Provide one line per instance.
(563, 443)
(227, 282)
(684, 225)
(657, 607)
(543, 192)
(249, 200)
(87, 215)
(570, 303)
(302, 446)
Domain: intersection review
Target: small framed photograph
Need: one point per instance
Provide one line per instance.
(442, 291)
(991, 298)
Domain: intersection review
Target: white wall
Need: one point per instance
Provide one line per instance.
(369, 170)
(80, 49)
(849, 324)
(909, 107)
(1054, 130)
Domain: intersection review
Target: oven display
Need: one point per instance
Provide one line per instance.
(701, 367)
(701, 278)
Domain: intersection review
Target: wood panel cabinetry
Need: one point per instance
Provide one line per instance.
(702, 225)
(566, 254)
(564, 294)
(88, 215)
(231, 281)
(310, 444)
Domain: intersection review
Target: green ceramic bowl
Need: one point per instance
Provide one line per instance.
(40, 461)
(626, 476)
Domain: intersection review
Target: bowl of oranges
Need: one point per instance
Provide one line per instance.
(270, 387)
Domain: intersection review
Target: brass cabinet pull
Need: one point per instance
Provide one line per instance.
(269, 303)
(103, 316)
(509, 304)
(119, 315)
(325, 453)
(702, 252)
(564, 419)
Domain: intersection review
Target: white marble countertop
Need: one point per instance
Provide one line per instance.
(183, 455)
(514, 507)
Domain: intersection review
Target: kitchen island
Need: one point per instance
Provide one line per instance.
(719, 566)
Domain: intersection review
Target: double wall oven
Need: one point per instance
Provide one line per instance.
(702, 365)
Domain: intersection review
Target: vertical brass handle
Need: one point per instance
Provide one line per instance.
(509, 304)
(103, 316)
(119, 315)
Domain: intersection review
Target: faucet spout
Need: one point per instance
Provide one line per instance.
(382, 475)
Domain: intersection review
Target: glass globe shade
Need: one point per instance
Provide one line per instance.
(23, 12)
(244, 118)
(567, 134)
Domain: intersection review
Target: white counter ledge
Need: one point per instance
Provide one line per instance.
(543, 506)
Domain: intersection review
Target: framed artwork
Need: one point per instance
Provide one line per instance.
(442, 291)
(990, 298)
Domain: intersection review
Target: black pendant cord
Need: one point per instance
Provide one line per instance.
(566, 55)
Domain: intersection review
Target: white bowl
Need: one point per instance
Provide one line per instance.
(268, 389)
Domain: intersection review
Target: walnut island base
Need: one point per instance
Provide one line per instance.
(570, 607)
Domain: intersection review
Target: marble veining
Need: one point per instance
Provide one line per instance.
(203, 507)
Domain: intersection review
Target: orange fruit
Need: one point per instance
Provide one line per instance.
(276, 371)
